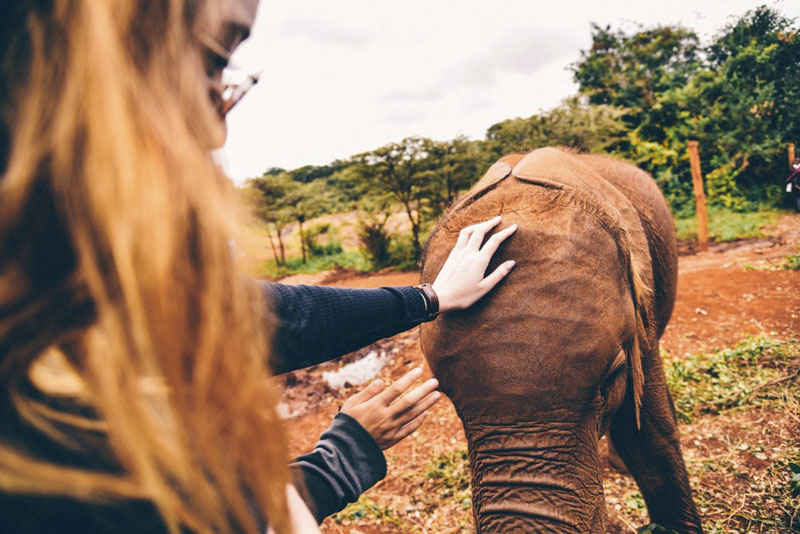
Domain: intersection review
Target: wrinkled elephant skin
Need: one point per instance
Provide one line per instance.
(566, 347)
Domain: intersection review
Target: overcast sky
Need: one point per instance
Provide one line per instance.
(347, 76)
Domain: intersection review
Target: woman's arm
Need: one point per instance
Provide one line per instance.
(345, 462)
(315, 323)
(348, 458)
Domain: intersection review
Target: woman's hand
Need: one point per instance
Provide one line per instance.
(460, 283)
(387, 414)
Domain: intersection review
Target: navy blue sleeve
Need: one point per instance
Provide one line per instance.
(317, 323)
(344, 464)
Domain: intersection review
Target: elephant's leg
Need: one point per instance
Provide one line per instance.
(613, 456)
(652, 453)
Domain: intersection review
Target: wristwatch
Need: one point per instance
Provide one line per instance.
(431, 301)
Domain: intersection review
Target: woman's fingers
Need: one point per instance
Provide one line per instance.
(371, 390)
(367, 393)
(400, 387)
(498, 274)
(476, 238)
(467, 231)
(491, 245)
(414, 397)
(463, 236)
(419, 407)
(409, 428)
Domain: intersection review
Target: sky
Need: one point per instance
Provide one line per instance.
(347, 76)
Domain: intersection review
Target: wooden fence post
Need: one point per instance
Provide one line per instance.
(699, 196)
(791, 154)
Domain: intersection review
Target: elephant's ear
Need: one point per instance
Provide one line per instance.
(633, 353)
(640, 292)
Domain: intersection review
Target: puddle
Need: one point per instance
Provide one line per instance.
(357, 372)
(286, 412)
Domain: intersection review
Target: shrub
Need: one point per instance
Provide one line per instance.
(375, 240)
(317, 246)
(402, 254)
(792, 262)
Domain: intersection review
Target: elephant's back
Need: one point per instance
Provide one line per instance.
(553, 167)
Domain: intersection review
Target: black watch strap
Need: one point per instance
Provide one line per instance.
(431, 301)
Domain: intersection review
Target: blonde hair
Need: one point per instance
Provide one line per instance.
(115, 270)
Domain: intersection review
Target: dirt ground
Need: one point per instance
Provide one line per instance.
(724, 295)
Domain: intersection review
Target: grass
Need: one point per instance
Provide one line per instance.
(727, 225)
(447, 475)
(365, 508)
(745, 466)
(348, 259)
(735, 497)
(748, 373)
(450, 474)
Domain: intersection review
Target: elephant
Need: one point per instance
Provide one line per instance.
(567, 347)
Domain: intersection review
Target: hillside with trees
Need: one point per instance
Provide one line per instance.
(643, 94)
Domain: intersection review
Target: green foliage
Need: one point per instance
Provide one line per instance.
(321, 240)
(375, 240)
(727, 225)
(738, 97)
(450, 474)
(450, 168)
(631, 70)
(794, 483)
(635, 501)
(403, 254)
(399, 168)
(284, 200)
(792, 262)
(349, 259)
(583, 127)
(365, 508)
(711, 383)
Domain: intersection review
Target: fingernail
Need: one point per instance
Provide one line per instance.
(417, 371)
(511, 263)
(436, 395)
(514, 226)
(433, 383)
(377, 384)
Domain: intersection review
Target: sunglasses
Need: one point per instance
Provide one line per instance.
(235, 81)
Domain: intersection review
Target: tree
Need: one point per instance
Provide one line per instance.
(398, 168)
(573, 124)
(272, 191)
(451, 167)
(304, 202)
(629, 71)
(738, 97)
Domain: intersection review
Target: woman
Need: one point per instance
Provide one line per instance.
(133, 391)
